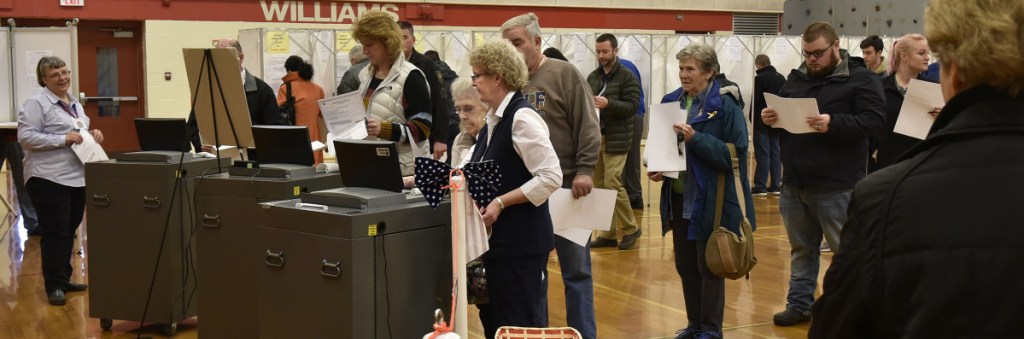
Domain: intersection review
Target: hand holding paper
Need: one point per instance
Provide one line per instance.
(792, 113)
(344, 115)
(88, 150)
(663, 152)
(574, 219)
(915, 119)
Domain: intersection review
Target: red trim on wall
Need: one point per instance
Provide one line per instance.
(419, 13)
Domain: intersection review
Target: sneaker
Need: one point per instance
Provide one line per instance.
(759, 194)
(708, 335)
(774, 193)
(824, 247)
(628, 241)
(687, 333)
(602, 242)
(790, 317)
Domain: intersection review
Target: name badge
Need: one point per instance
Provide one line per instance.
(79, 124)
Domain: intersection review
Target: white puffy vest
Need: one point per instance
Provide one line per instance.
(386, 105)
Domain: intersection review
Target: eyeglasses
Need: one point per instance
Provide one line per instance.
(65, 73)
(818, 53)
(475, 76)
(467, 109)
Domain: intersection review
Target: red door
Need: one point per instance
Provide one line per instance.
(111, 76)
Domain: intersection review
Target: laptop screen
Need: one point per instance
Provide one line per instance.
(282, 145)
(369, 163)
(161, 134)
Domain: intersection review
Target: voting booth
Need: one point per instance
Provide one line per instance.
(228, 214)
(138, 210)
(359, 262)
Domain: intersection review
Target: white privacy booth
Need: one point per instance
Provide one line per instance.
(266, 50)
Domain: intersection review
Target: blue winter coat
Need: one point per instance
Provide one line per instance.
(720, 121)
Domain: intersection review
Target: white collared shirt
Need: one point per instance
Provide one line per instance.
(42, 130)
(532, 142)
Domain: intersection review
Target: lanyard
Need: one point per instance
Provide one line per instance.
(69, 109)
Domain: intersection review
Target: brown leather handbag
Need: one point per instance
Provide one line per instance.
(728, 254)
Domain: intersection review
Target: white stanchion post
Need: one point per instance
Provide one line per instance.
(465, 204)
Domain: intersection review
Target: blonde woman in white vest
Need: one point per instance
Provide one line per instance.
(395, 92)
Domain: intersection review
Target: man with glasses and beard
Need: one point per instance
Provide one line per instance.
(822, 167)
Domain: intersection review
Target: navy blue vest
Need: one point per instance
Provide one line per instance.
(521, 229)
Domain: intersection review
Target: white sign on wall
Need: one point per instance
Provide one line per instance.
(76, 3)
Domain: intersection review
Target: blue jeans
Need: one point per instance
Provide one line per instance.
(766, 153)
(808, 214)
(579, 286)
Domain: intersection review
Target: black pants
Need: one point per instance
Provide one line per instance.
(703, 291)
(631, 172)
(15, 154)
(515, 288)
(60, 209)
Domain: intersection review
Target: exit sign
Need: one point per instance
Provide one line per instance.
(79, 3)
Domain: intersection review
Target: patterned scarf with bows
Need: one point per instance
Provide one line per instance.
(432, 180)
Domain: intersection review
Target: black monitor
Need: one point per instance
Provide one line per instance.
(282, 145)
(162, 134)
(369, 163)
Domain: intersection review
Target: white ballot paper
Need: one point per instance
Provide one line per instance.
(792, 112)
(89, 150)
(344, 115)
(922, 97)
(663, 153)
(575, 219)
(317, 146)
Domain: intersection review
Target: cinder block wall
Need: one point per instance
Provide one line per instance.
(856, 17)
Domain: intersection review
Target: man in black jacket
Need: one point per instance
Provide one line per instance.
(617, 96)
(822, 167)
(766, 140)
(441, 109)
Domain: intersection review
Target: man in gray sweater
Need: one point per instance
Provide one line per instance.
(562, 97)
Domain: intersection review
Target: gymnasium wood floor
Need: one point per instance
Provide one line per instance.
(637, 292)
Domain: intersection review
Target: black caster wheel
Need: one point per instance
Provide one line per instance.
(105, 324)
(170, 329)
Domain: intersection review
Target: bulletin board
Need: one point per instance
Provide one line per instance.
(10, 109)
(30, 45)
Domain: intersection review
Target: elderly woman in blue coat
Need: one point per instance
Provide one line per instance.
(714, 118)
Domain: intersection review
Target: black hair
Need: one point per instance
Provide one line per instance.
(432, 54)
(407, 25)
(872, 41)
(296, 64)
(554, 53)
(608, 37)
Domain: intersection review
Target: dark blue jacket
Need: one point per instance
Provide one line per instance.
(521, 229)
(636, 72)
(720, 121)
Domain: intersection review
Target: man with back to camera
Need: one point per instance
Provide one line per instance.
(871, 47)
(439, 99)
(822, 167)
(631, 172)
(563, 98)
(448, 77)
(259, 97)
(617, 96)
(350, 81)
(766, 140)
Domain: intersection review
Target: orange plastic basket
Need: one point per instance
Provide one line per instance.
(510, 332)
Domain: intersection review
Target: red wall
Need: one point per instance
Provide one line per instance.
(418, 13)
